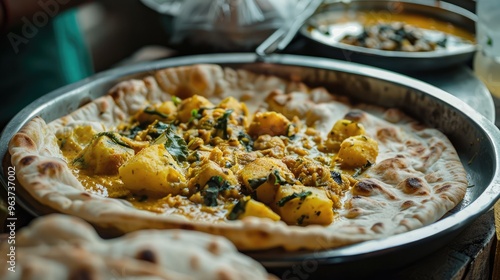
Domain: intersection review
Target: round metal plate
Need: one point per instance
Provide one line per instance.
(475, 137)
(394, 60)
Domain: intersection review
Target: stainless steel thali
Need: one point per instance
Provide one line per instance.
(475, 137)
(330, 47)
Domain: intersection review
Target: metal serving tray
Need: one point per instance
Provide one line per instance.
(395, 60)
(476, 139)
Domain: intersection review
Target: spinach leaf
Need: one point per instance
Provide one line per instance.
(238, 209)
(113, 137)
(300, 220)
(174, 144)
(275, 178)
(193, 157)
(210, 194)
(358, 171)
(152, 111)
(79, 162)
(222, 123)
(213, 187)
(197, 114)
(302, 195)
(255, 183)
(336, 177)
(176, 100)
(245, 140)
(156, 129)
(132, 133)
(160, 126)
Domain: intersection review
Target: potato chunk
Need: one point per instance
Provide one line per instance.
(271, 146)
(308, 171)
(73, 140)
(153, 169)
(357, 151)
(247, 207)
(231, 103)
(342, 130)
(207, 170)
(260, 176)
(270, 123)
(189, 104)
(300, 205)
(212, 183)
(104, 154)
(165, 112)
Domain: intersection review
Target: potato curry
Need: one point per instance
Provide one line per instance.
(217, 162)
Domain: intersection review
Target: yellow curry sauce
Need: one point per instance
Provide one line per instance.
(389, 31)
(215, 162)
(417, 20)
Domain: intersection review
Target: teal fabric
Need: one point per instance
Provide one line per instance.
(54, 56)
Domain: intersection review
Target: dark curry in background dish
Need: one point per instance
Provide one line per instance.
(389, 31)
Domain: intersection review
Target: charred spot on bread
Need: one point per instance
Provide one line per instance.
(23, 140)
(354, 115)
(214, 248)
(27, 160)
(50, 168)
(82, 273)
(377, 227)
(147, 255)
(414, 185)
(443, 188)
(365, 187)
(187, 227)
(407, 204)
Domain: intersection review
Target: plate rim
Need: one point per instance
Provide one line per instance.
(396, 54)
(464, 217)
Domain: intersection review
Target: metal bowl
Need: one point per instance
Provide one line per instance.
(476, 139)
(394, 60)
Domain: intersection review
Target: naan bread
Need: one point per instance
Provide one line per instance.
(63, 247)
(416, 179)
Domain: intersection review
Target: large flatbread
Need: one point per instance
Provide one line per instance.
(415, 180)
(63, 247)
